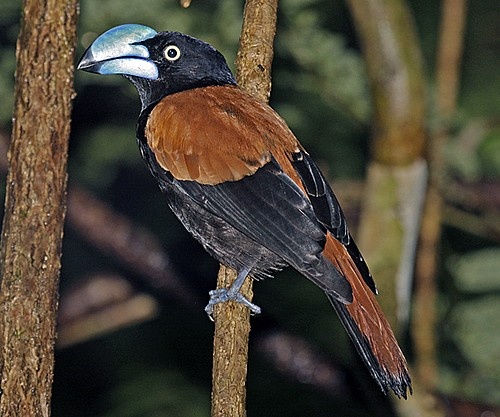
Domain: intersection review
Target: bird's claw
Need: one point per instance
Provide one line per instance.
(223, 295)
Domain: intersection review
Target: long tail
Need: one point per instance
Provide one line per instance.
(367, 327)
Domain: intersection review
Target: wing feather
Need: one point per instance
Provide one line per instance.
(272, 210)
(217, 131)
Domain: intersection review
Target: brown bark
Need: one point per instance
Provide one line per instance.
(397, 173)
(450, 55)
(447, 80)
(424, 310)
(35, 206)
(393, 59)
(232, 322)
(255, 55)
(230, 355)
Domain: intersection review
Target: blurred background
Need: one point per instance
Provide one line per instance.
(134, 339)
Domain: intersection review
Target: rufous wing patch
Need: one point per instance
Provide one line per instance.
(215, 134)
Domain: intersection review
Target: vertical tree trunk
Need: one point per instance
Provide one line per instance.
(232, 321)
(35, 206)
(397, 173)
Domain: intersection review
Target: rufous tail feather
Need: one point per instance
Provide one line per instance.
(366, 325)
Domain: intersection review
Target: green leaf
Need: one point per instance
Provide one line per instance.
(104, 150)
(477, 271)
(489, 154)
(475, 331)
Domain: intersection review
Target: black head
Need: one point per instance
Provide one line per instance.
(158, 64)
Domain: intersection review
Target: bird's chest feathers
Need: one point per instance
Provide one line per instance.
(215, 134)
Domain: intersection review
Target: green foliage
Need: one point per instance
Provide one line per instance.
(480, 75)
(476, 272)
(320, 87)
(474, 153)
(474, 326)
(474, 374)
(106, 148)
(325, 65)
(489, 154)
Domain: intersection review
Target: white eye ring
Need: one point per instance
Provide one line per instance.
(172, 53)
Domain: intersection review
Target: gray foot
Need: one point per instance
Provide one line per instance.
(231, 294)
(222, 295)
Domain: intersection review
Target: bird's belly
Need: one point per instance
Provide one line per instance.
(223, 241)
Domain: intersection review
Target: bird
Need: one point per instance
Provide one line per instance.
(241, 183)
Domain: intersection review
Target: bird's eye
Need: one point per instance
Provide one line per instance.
(172, 53)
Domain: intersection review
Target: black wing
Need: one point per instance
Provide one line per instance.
(328, 210)
(272, 210)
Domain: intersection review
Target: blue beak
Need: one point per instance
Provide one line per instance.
(117, 51)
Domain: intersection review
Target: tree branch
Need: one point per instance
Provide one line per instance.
(397, 175)
(132, 245)
(425, 298)
(396, 179)
(232, 322)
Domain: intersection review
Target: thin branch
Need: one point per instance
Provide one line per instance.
(299, 360)
(450, 51)
(99, 305)
(448, 74)
(132, 245)
(232, 322)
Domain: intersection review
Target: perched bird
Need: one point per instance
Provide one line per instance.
(242, 184)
